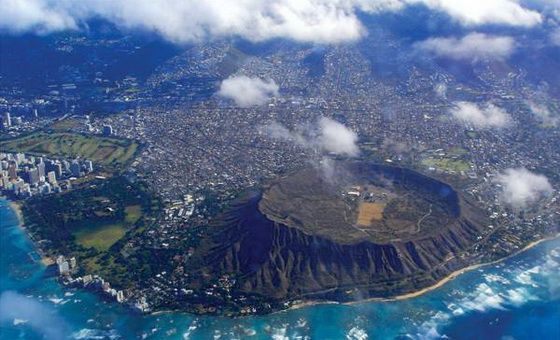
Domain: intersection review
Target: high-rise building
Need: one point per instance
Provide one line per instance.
(120, 296)
(41, 168)
(20, 157)
(18, 185)
(7, 119)
(51, 177)
(76, 168)
(73, 263)
(12, 170)
(63, 265)
(4, 181)
(49, 165)
(32, 176)
(66, 166)
(89, 166)
(58, 169)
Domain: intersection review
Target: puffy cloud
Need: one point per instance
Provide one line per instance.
(467, 12)
(182, 21)
(337, 138)
(14, 306)
(472, 46)
(327, 135)
(321, 21)
(488, 116)
(247, 91)
(522, 187)
(480, 12)
(279, 131)
(33, 15)
(543, 114)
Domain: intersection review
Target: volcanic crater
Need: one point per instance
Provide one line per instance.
(364, 230)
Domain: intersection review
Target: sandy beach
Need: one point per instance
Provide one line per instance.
(453, 275)
(439, 284)
(16, 207)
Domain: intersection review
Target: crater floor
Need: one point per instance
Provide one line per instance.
(362, 202)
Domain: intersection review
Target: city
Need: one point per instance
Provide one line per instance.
(198, 155)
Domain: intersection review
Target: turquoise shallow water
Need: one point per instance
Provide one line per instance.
(516, 299)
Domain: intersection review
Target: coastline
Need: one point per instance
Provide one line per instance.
(433, 287)
(455, 274)
(17, 208)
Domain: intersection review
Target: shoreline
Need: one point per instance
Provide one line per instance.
(16, 208)
(439, 284)
(455, 274)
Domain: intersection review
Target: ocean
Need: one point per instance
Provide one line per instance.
(518, 298)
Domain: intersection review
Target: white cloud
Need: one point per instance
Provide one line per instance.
(34, 15)
(472, 46)
(467, 12)
(337, 138)
(278, 131)
(16, 306)
(480, 12)
(543, 114)
(487, 116)
(522, 187)
(182, 21)
(327, 135)
(320, 21)
(247, 91)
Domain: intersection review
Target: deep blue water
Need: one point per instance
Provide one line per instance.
(516, 299)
